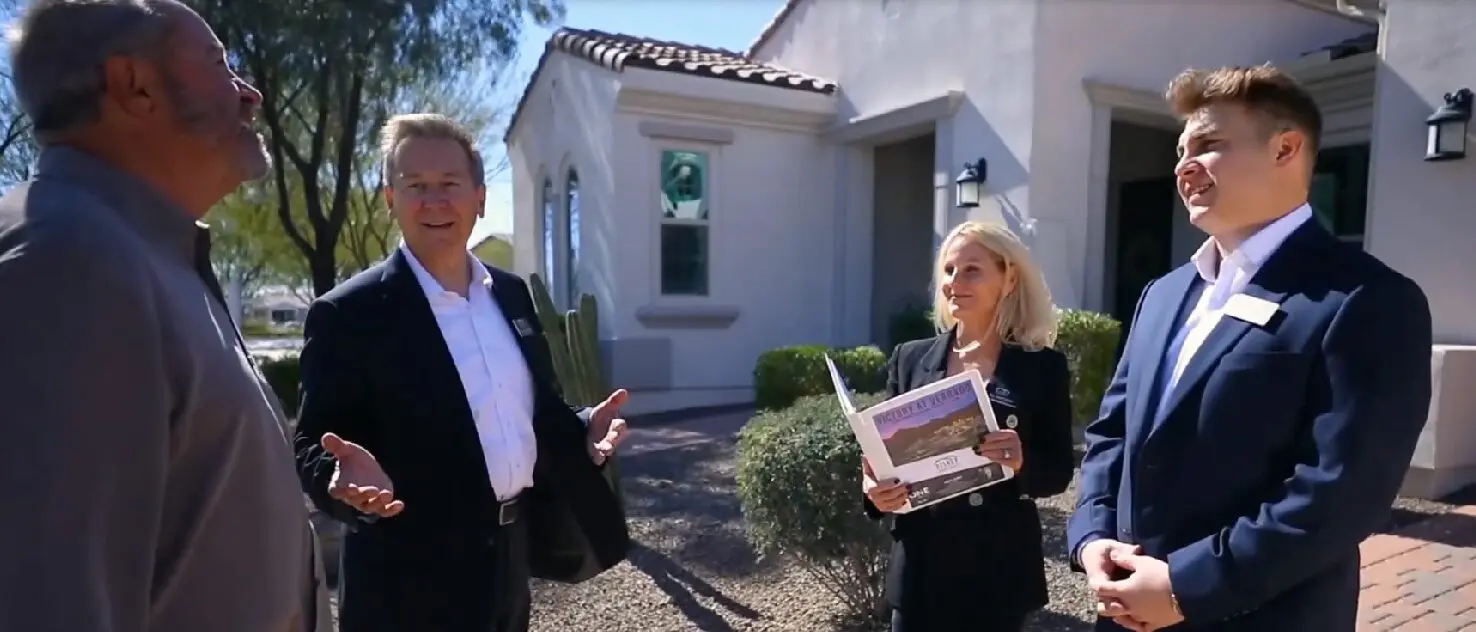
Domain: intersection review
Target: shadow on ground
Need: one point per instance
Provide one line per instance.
(686, 498)
(684, 588)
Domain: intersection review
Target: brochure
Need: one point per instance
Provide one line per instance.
(926, 437)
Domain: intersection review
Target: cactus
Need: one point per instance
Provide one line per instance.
(574, 342)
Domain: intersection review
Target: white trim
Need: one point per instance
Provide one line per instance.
(694, 133)
(896, 124)
(1097, 290)
(721, 101)
(1324, 7)
(712, 193)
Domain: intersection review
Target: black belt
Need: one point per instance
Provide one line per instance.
(507, 511)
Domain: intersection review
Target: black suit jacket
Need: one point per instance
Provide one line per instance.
(376, 371)
(1279, 449)
(955, 558)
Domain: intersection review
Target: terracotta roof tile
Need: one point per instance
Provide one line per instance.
(616, 52)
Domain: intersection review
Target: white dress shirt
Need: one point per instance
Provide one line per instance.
(1225, 276)
(494, 375)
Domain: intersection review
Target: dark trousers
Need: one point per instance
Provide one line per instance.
(983, 622)
(511, 600)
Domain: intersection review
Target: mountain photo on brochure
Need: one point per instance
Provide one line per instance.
(926, 437)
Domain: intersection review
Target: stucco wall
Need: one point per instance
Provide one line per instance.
(1422, 215)
(771, 229)
(567, 123)
(1422, 218)
(1021, 64)
(1142, 47)
(770, 238)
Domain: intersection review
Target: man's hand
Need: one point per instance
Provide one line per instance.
(888, 496)
(606, 428)
(1147, 595)
(358, 481)
(1097, 559)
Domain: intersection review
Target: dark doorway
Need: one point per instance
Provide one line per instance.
(1145, 232)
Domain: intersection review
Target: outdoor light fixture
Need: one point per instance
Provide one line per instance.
(1448, 126)
(970, 183)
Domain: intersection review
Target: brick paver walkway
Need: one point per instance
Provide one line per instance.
(1423, 578)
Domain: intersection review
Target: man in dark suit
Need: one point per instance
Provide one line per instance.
(432, 424)
(1269, 396)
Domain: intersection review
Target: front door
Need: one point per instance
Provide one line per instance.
(1145, 227)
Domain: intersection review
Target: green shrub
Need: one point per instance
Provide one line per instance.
(786, 374)
(283, 374)
(1089, 340)
(913, 322)
(799, 483)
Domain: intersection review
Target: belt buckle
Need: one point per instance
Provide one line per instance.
(507, 512)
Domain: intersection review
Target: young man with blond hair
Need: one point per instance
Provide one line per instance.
(1269, 396)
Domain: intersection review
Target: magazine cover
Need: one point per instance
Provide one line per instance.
(926, 437)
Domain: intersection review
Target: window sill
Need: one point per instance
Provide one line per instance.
(687, 316)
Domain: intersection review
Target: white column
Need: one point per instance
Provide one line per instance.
(944, 171)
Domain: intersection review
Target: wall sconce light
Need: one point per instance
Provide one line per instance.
(1448, 126)
(970, 183)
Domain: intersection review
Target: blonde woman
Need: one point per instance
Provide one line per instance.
(975, 563)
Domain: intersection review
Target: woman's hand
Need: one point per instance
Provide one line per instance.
(888, 496)
(1003, 447)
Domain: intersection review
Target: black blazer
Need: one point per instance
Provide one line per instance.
(376, 371)
(987, 558)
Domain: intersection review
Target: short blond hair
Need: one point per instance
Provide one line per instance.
(1269, 94)
(1026, 316)
(404, 127)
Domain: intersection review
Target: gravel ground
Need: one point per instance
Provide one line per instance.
(690, 568)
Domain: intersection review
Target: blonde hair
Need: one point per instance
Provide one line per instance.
(404, 127)
(1025, 316)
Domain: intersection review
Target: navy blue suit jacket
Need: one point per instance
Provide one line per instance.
(1280, 448)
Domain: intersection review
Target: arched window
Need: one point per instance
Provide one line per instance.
(550, 208)
(571, 208)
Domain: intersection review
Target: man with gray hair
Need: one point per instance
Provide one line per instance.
(146, 478)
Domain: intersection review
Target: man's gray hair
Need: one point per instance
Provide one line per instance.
(58, 47)
(404, 127)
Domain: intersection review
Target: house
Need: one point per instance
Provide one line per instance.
(722, 203)
(276, 307)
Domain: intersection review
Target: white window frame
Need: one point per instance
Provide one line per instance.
(711, 195)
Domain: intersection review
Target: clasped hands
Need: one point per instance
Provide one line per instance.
(1141, 599)
(1002, 446)
(360, 482)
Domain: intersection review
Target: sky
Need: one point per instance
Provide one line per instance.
(730, 24)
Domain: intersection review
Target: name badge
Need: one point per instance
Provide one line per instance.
(524, 329)
(1252, 309)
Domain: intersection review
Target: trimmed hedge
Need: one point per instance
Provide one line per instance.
(1089, 340)
(284, 376)
(799, 484)
(786, 374)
